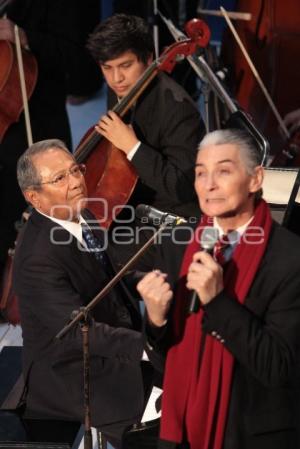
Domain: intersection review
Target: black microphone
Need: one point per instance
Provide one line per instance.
(209, 238)
(148, 214)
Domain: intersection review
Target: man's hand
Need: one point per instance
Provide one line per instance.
(157, 295)
(117, 132)
(205, 276)
(7, 32)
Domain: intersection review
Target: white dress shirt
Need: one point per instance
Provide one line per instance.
(234, 237)
(72, 227)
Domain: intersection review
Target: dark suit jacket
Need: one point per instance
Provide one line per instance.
(169, 126)
(264, 337)
(51, 281)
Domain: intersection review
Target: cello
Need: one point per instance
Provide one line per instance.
(284, 178)
(110, 177)
(11, 102)
(18, 76)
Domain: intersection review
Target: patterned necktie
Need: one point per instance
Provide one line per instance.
(219, 249)
(94, 245)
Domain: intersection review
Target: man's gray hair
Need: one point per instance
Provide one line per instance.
(249, 152)
(28, 176)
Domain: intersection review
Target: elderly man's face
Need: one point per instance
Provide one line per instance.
(223, 185)
(64, 201)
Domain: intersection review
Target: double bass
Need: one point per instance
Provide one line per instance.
(110, 177)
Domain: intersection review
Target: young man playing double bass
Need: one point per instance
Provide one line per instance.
(161, 132)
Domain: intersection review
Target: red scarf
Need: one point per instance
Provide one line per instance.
(196, 395)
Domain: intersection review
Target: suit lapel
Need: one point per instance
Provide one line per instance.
(81, 258)
(60, 236)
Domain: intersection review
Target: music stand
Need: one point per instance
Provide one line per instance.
(240, 120)
(292, 213)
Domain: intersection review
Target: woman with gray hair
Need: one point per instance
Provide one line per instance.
(231, 372)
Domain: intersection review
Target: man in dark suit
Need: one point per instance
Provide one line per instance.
(55, 273)
(164, 126)
(236, 354)
(161, 132)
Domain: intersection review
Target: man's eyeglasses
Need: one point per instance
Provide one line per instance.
(60, 180)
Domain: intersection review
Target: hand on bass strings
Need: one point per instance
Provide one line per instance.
(117, 132)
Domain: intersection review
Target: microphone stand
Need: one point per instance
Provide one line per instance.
(82, 317)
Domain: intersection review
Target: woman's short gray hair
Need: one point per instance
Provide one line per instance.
(27, 174)
(249, 152)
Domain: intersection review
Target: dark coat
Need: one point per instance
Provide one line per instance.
(264, 337)
(51, 281)
(169, 126)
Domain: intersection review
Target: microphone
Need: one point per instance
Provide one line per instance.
(157, 217)
(209, 238)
